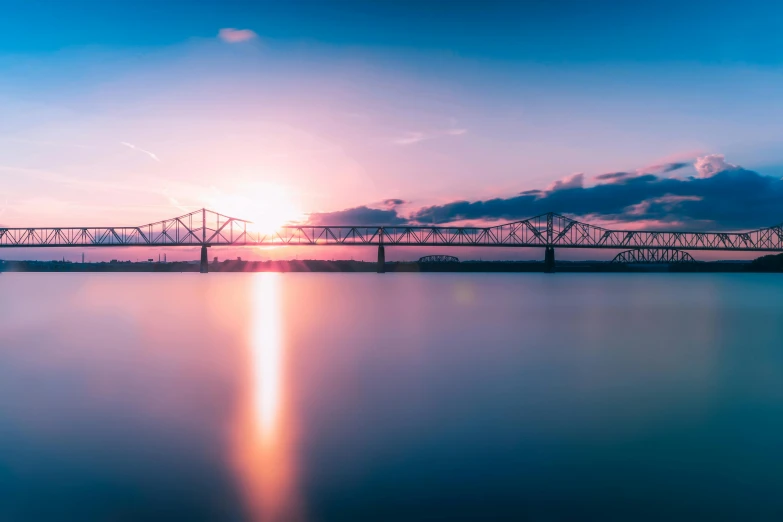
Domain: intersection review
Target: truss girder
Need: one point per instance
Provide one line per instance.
(438, 259)
(204, 227)
(653, 256)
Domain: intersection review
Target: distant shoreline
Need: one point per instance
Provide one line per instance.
(764, 264)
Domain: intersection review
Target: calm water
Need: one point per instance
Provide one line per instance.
(404, 397)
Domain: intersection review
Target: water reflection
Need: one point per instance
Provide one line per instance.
(264, 453)
(453, 397)
(267, 352)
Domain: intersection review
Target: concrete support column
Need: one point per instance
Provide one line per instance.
(381, 259)
(549, 260)
(204, 260)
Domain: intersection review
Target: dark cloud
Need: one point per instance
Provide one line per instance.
(671, 167)
(732, 199)
(393, 202)
(664, 168)
(641, 179)
(724, 197)
(358, 216)
(615, 175)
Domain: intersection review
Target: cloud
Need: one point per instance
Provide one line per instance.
(231, 35)
(611, 176)
(358, 216)
(411, 137)
(671, 167)
(393, 202)
(134, 147)
(663, 168)
(711, 164)
(729, 198)
(569, 182)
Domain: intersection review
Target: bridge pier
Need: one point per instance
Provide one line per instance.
(204, 260)
(381, 259)
(549, 260)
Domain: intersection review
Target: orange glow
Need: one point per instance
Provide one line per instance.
(263, 447)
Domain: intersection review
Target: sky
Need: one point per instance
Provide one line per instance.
(635, 114)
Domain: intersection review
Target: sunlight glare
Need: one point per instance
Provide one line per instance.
(267, 206)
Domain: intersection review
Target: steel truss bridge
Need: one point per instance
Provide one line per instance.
(205, 228)
(438, 259)
(654, 256)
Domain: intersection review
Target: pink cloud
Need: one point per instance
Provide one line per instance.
(708, 166)
(230, 35)
(668, 202)
(569, 182)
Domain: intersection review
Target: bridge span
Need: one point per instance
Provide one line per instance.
(205, 228)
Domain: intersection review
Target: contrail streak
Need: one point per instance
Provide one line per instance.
(134, 147)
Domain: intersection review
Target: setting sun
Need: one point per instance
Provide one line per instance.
(267, 206)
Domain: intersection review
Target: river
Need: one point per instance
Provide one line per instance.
(364, 397)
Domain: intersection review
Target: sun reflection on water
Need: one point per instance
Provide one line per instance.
(263, 450)
(266, 348)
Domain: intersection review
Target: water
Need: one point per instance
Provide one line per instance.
(360, 397)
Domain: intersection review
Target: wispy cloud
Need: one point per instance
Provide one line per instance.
(134, 147)
(411, 137)
(664, 168)
(231, 35)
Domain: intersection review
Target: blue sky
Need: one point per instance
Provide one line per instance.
(132, 111)
(538, 31)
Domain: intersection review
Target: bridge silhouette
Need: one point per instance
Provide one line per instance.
(438, 259)
(205, 228)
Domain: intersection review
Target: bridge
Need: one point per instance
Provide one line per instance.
(438, 259)
(205, 228)
(653, 256)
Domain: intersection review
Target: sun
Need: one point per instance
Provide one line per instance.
(267, 206)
